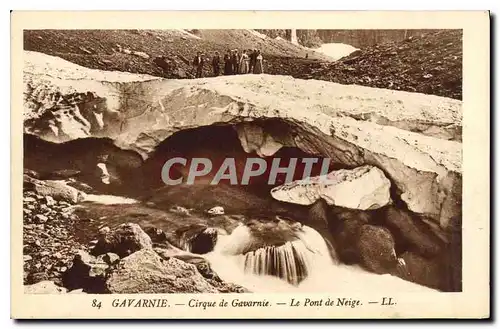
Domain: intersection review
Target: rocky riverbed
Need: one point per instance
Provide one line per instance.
(48, 237)
(92, 137)
(56, 260)
(80, 246)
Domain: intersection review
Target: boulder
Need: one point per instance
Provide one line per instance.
(201, 263)
(157, 235)
(361, 188)
(217, 210)
(146, 272)
(204, 268)
(322, 118)
(204, 241)
(376, 249)
(197, 238)
(57, 190)
(345, 226)
(427, 272)
(123, 240)
(87, 273)
(411, 232)
(44, 287)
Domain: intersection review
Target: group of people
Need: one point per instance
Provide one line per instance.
(248, 61)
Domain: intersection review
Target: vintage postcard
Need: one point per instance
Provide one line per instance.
(228, 165)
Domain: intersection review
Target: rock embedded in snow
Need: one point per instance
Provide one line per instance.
(360, 188)
(350, 124)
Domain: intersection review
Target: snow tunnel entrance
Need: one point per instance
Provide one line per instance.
(260, 157)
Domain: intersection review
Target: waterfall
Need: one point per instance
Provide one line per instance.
(301, 265)
(291, 262)
(288, 262)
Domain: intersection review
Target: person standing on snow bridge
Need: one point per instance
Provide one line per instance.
(198, 64)
(216, 64)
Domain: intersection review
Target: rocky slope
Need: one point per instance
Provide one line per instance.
(430, 63)
(427, 63)
(164, 53)
(48, 237)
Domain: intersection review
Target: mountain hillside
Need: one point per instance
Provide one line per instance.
(429, 64)
(166, 53)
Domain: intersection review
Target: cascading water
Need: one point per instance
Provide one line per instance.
(303, 265)
(291, 261)
(300, 262)
(288, 262)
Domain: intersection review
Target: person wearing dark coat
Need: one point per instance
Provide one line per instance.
(216, 64)
(259, 66)
(253, 59)
(198, 64)
(235, 59)
(228, 65)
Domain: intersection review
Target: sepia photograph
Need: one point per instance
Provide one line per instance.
(242, 161)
